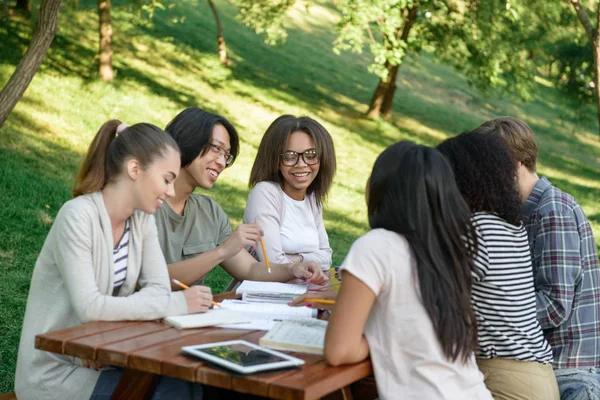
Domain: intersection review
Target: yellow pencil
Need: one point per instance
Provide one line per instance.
(184, 286)
(322, 301)
(262, 245)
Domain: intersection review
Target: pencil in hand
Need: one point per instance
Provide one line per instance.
(262, 245)
(184, 286)
(316, 300)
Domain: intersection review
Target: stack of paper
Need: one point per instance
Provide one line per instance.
(270, 292)
(264, 315)
(302, 335)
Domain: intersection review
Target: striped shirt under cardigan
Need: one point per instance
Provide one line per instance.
(503, 295)
(567, 275)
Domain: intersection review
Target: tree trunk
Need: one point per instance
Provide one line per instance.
(29, 64)
(596, 46)
(379, 94)
(220, 38)
(24, 5)
(382, 100)
(105, 51)
(388, 97)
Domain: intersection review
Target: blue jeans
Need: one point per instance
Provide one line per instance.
(578, 383)
(167, 388)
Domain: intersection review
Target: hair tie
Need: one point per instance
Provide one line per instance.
(122, 126)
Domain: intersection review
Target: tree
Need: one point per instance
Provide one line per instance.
(222, 46)
(105, 51)
(479, 37)
(21, 78)
(593, 36)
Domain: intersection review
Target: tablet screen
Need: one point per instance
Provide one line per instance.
(242, 355)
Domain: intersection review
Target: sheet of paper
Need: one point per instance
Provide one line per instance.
(272, 310)
(210, 318)
(271, 287)
(256, 323)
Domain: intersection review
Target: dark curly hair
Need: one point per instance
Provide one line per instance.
(486, 173)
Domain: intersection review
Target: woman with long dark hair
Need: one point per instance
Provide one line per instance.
(512, 352)
(405, 293)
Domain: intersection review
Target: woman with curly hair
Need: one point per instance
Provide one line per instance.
(512, 352)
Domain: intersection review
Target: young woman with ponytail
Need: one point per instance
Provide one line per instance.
(102, 243)
(405, 293)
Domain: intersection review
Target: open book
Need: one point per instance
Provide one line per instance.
(269, 292)
(264, 315)
(301, 335)
(216, 316)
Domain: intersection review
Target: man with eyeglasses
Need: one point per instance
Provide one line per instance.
(193, 230)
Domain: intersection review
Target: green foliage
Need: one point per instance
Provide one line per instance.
(379, 24)
(164, 67)
(265, 17)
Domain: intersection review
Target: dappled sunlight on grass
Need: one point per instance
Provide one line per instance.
(162, 67)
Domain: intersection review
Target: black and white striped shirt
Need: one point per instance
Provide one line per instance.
(503, 295)
(120, 254)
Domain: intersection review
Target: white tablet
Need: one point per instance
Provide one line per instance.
(242, 356)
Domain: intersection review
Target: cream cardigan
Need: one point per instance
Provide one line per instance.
(72, 284)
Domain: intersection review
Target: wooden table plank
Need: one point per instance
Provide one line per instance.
(54, 341)
(151, 359)
(85, 347)
(319, 380)
(118, 353)
(260, 384)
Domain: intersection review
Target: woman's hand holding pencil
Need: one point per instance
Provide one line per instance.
(198, 298)
(322, 300)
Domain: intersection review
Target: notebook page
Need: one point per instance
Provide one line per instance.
(210, 318)
(273, 310)
(271, 287)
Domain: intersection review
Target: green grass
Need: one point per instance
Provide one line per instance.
(163, 67)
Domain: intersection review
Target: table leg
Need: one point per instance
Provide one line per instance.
(136, 385)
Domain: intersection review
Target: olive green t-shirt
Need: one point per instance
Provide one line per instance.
(202, 227)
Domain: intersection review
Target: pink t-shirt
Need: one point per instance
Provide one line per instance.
(407, 358)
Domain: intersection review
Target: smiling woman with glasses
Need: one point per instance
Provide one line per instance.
(290, 178)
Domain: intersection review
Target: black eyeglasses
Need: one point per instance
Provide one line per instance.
(290, 157)
(219, 151)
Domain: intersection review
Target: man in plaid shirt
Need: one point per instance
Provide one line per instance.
(565, 267)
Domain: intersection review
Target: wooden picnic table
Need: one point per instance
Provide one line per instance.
(148, 350)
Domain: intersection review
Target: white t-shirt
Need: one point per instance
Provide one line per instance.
(298, 229)
(407, 358)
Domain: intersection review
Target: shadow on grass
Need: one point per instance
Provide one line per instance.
(33, 186)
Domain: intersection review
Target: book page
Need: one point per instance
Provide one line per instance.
(271, 288)
(297, 335)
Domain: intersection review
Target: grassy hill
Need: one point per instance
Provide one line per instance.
(163, 67)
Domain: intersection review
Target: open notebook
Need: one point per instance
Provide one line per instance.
(302, 335)
(269, 292)
(216, 316)
(265, 315)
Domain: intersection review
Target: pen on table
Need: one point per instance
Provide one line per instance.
(322, 301)
(262, 245)
(184, 286)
